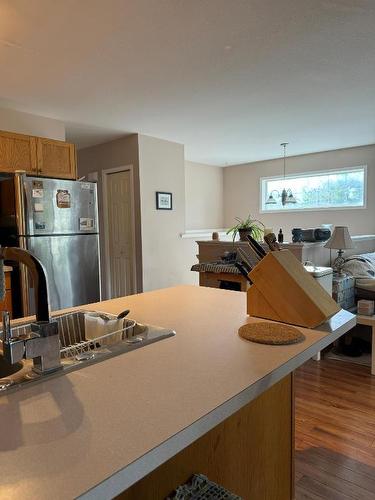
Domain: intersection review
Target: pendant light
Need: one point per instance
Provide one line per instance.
(286, 194)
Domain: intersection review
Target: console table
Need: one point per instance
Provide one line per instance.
(212, 274)
(212, 250)
(369, 321)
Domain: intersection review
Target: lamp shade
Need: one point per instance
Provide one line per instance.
(340, 239)
(271, 200)
(291, 198)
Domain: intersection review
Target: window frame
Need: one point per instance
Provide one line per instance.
(312, 173)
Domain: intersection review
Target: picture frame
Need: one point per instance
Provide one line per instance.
(163, 200)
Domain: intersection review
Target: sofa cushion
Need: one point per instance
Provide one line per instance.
(362, 268)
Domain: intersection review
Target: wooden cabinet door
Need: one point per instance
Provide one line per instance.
(56, 159)
(6, 304)
(17, 152)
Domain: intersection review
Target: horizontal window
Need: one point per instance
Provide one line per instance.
(345, 188)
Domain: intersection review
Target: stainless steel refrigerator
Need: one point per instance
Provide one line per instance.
(57, 220)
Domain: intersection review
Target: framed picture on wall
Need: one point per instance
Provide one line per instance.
(163, 200)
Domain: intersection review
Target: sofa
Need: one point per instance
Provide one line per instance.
(362, 268)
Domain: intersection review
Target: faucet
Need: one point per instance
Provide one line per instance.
(42, 345)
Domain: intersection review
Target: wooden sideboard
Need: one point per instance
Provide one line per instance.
(6, 304)
(38, 156)
(212, 251)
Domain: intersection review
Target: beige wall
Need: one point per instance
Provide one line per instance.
(113, 154)
(166, 257)
(241, 191)
(204, 196)
(26, 123)
(163, 257)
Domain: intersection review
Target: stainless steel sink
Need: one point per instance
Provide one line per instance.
(86, 337)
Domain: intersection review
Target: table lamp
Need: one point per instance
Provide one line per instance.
(340, 240)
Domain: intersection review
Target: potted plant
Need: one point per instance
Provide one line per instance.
(247, 226)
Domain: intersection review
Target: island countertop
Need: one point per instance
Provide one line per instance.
(96, 431)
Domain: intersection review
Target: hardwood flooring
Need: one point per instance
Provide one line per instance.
(335, 431)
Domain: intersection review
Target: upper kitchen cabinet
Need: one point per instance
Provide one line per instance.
(37, 156)
(56, 159)
(17, 152)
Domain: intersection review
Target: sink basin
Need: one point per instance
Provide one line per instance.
(86, 337)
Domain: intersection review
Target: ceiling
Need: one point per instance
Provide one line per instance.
(230, 79)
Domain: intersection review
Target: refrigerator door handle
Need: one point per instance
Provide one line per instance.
(24, 282)
(19, 193)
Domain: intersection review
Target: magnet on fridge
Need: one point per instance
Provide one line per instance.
(37, 193)
(38, 207)
(63, 198)
(85, 224)
(37, 184)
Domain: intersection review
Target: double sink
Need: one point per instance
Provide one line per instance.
(86, 337)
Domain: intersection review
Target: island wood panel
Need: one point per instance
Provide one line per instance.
(250, 453)
(56, 159)
(17, 152)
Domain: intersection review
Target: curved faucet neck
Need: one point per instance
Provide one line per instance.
(38, 276)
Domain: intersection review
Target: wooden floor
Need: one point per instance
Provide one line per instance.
(335, 431)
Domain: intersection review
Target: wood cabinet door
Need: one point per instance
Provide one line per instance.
(56, 159)
(6, 304)
(17, 152)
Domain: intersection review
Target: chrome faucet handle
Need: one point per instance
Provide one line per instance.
(45, 328)
(13, 348)
(6, 333)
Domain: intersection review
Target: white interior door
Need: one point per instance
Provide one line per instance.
(120, 233)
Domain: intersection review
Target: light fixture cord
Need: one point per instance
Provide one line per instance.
(284, 146)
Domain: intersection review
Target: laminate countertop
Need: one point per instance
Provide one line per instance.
(96, 431)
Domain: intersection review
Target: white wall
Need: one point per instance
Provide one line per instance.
(241, 191)
(118, 153)
(163, 257)
(26, 123)
(166, 257)
(204, 196)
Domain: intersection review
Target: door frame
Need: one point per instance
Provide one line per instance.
(105, 173)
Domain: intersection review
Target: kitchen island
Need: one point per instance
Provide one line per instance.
(141, 423)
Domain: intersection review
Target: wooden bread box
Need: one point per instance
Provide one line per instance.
(284, 291)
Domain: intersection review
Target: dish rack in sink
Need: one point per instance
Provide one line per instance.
(86, 337)
(83, 333)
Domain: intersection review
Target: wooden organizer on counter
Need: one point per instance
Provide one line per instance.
(284, 291)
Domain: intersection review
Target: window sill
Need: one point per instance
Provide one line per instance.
(204, 233)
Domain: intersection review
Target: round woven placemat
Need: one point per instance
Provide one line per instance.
(271, 333)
